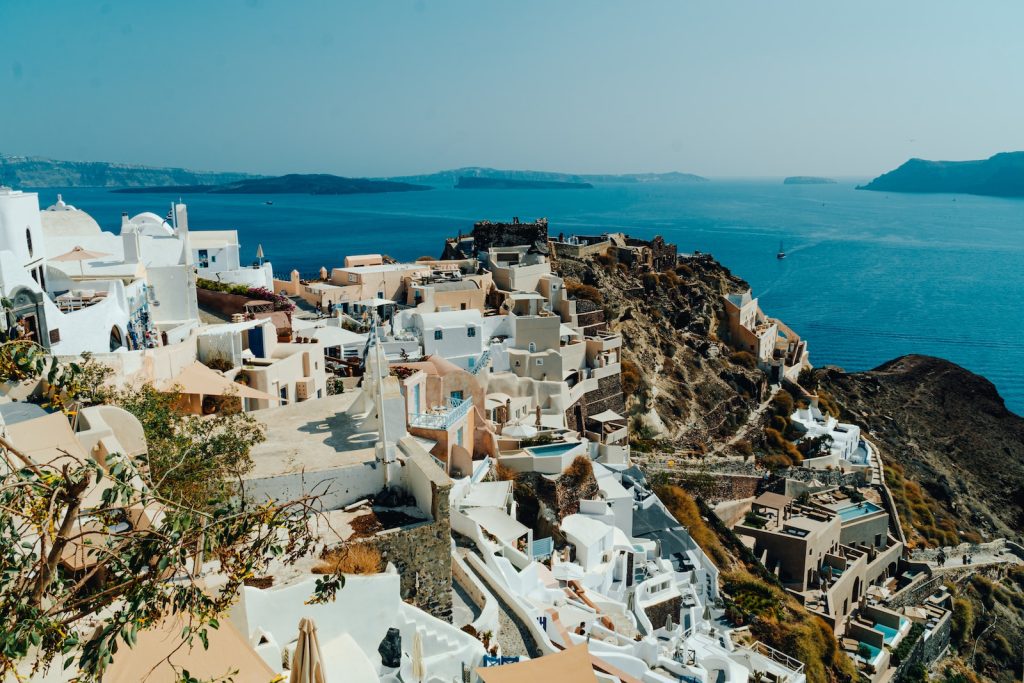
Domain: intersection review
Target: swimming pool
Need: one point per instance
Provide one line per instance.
(874, 651)
(888, 632)
(854, 510)
(549, 450)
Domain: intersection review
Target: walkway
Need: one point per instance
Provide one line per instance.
(513, 637)
(464, 610)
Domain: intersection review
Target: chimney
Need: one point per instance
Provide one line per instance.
(130, 242)
(124, 220)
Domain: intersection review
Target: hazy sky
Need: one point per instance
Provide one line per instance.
(384, 88)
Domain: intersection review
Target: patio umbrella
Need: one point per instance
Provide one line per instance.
(419, 669)
(80, 254)
(307, 665)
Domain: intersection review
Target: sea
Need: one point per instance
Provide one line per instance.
(868, 276)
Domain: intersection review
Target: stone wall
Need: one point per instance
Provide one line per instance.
(422, 552)
(925, 651)
(487, 234)
(661, 612)
(607, 396)
(422, 555)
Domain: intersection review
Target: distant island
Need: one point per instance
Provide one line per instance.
(451, 177)
(40, 172)
(31, 172)
(1001, 175)
(807, 180)
(471, 183)
(294, 183)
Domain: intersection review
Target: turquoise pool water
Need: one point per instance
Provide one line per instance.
(875, 651)
(855, 510)
(553, 449)
(888, 632)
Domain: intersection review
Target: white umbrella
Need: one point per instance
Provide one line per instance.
(419, 669)
(307, 664)
(81, 255)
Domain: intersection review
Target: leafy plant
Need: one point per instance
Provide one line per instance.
(137, 538)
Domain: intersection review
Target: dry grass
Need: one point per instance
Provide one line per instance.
(580, 468)
(357, 558)
(503, 472)
(685, 510)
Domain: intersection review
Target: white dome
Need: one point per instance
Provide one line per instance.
(149, 223)
(67, 221)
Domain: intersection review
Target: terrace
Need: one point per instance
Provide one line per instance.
(442, 417)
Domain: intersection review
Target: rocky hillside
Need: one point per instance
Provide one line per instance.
(29, 172)
(681, 383)
(957, 452)
(1001, 175)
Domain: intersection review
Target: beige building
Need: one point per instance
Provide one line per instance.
(827, 552)
(778, 349)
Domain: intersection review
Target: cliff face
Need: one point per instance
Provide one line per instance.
(29, 172)
(950, 433)
(678, 379)
(1001, 175)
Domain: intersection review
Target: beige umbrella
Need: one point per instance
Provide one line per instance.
(419, 669)
(307, 665)
(81, 255)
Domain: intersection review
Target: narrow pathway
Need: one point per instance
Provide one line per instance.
(513, 636)
(464, 610)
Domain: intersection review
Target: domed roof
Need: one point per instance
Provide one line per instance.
(62, 219)
(149, 223)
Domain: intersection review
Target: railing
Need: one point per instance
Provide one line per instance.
(454, 411)
(770, 652)
(481, 362)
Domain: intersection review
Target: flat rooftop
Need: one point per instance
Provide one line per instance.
(313, 435)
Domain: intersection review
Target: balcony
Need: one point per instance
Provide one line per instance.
(442, 417)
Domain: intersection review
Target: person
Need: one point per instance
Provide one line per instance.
(319, 309)
(330, 308)
(18, 331)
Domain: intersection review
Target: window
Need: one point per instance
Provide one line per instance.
(533, 347)
(438, 334)
(458, 436)
(540, 361)
(470, 331)
(462, 307)
(28, 240)
(456, 395)
(352, 277)
(416, 399)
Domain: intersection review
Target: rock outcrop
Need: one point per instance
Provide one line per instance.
(950, 432)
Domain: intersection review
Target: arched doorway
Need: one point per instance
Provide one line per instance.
(116, 338)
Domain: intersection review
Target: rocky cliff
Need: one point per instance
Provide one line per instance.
(680, 382)
(1001, 175)
(949, 436)
(29, 172)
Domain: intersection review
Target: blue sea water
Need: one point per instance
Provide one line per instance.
(869, 276)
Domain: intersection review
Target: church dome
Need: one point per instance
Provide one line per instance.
(62, 219)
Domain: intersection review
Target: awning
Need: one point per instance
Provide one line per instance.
(334, 336)
(373, 303)
(498, 524)
(199, 379)
(566, 331)
(606, 416)
(571, 665)
(46, 439)
(160, 654)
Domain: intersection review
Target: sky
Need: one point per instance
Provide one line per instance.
(377, 88)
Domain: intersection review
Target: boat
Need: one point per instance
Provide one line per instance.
(782, 252)
(268, 202)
